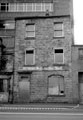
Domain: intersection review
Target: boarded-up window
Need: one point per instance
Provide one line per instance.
(58, 56)
(58, 30)
(29, 57)
(56, 85)
(30, 30)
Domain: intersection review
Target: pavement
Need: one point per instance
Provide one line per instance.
(40, 107)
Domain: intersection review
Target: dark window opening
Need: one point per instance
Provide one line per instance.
(59, 51)
(1, 85)
(4, 7)
(29, 51)
(2, 26)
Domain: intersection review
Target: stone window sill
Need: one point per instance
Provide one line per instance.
(57, 95)
(58, 64)
(58, 37)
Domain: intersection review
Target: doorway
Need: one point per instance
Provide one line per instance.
(24, 89)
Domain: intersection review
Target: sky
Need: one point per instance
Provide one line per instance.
(78, 21)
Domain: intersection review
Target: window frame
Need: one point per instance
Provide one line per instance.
(25, 7)
(59, 93)
(6, 5)
(80, 56)
(26, 31)
(58, 29)
(33, 56)
(55, 57)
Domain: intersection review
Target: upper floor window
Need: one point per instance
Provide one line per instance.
(26, 7)
(81, 53)
(4, 7)
(58, 56)
(8, 24)
(30, 30)
(56, 85)
(29, 57)
(58, 30)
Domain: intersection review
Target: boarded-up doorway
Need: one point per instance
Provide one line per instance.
(80, 76)
(24, 89)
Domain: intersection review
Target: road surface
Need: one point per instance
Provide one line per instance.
(41, 116)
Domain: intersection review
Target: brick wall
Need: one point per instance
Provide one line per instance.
(43, 44)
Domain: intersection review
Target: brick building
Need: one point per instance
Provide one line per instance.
(38, 36)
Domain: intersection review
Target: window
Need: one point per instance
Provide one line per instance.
(12, 7)
(56, 85)
(38, 7)
(58, 56)
(1, 85)
(4, 7)
(29, 57)
(81, 53)
(30, 30)
(7, 24)
(58, 30)
(26, 7)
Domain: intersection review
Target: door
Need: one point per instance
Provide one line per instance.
(24, 89)
(81, 87)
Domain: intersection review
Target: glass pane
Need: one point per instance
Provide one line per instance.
(43, 7)
(59, 58)
(20, 7)
(12, 7)
(30, 34)
(30, 27)
(29, 59)
(58, 26)
(47, 6)
(81, 52)
(58, 33)
(38, 7)
(3, 6)
(51, 9)
(29, 7)
(34, 7)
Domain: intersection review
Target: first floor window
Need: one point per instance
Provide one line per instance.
(81, 53)
(56, 85)
(30, 30)
(58, 30)
(29, 57)
(58, 56)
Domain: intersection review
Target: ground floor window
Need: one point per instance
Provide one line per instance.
(56, 85)
(4, 85)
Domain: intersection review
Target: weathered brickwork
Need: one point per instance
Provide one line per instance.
(30, 83)
(44, 43)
